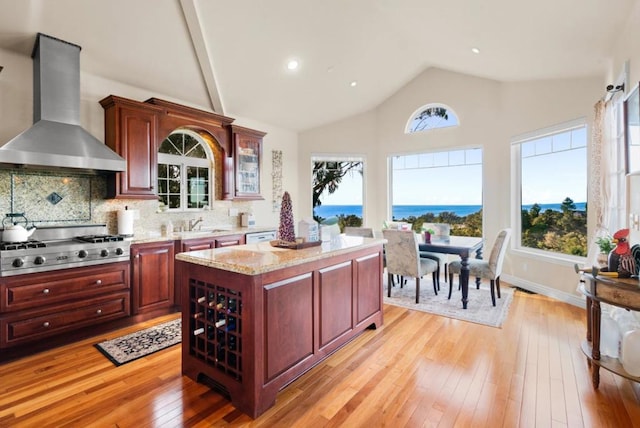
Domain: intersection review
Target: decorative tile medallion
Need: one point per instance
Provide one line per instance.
(54, 198)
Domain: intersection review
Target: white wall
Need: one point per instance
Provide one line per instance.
(490, 113)
(627, 48)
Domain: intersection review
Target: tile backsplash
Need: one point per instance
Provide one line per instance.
(51, 198)
(59, 199)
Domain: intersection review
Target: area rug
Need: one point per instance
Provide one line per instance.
(479, 308)
(130, 347)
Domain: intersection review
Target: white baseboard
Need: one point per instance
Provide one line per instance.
(544, 290)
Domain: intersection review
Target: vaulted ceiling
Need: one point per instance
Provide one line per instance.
(230, 56)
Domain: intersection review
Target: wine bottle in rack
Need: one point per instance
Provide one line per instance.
(198, 315)
(232, 306)
(231, 324)
(202, 299)
(198, 331)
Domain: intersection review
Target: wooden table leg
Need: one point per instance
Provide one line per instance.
(588, 310)
(589, 305)
(595, 344)
(464, 280)
(478, 256)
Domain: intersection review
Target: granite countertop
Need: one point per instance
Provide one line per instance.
(178, 236)
(254, 259)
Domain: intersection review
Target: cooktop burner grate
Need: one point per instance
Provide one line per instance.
(99, 238)
(7, 246)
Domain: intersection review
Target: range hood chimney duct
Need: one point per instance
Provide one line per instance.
(56, 139)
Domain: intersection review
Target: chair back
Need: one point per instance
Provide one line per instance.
(401, 252)
(496, 258)
(365, 232)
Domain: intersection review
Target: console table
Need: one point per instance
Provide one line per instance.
(620, 292)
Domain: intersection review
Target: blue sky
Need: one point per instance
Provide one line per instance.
(544, 182)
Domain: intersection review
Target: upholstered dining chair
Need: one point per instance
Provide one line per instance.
(403, 258)
(487, 269)
(365, 232)
(441, 258)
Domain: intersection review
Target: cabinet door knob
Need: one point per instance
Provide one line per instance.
(45, 291)
(99, 311)
(99, 282)
(45, 324)
(137, 256)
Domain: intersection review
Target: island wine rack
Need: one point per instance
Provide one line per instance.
(216, 326)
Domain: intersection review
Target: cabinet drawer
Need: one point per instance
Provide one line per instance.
(229, 240)
(34, 325)
(35, 290)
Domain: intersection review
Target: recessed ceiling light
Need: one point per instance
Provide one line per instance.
(353, 83)
(293, 64)
(475, 50)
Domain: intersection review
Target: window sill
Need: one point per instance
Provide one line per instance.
(549, 257)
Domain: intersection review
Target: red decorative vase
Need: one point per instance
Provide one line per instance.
(427, 237)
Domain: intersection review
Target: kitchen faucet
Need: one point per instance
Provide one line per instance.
(193, 223)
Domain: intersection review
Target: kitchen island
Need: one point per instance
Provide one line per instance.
(256, 317)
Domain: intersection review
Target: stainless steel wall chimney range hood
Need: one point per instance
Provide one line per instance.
(56, 139)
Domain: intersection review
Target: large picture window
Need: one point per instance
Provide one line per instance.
(184, 172)
(338, 189)
(438, 187)
(551, 193)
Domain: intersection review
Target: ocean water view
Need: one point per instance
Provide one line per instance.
(404, 211)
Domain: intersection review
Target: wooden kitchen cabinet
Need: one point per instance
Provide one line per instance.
(208, 242)
(253, 333)
(40, 308)
(131, 130)
(247, 152)
(229, 240)
(152, 276)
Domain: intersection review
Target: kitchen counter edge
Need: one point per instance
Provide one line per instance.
(181, 236)
(255, 259)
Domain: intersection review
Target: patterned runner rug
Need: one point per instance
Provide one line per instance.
(479, 309)
(130, 347)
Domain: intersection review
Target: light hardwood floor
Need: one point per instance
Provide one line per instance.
(417, 370)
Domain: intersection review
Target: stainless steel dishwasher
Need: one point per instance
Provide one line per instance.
(264, 236)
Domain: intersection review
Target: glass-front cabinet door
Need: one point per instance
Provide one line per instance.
(247, 153)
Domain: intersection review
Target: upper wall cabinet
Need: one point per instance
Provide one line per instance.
(131, 130)
(247, 151)
(135, 129)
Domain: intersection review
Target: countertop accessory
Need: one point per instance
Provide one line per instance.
(13, 230)
(294, 245)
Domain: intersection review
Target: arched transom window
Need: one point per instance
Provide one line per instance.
(431, 116)
(184, 171)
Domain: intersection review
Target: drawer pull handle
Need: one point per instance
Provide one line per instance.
(45, 324)
(45, 291)
(99, 282)
(99, 311)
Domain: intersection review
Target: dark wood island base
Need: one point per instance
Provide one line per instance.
(252, 331)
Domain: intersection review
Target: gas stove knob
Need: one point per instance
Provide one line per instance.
(119, 251)
(104, 253)
(18, 263)
(82, 254)
(39, 260)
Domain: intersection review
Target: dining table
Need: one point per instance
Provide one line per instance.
(462, 246)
